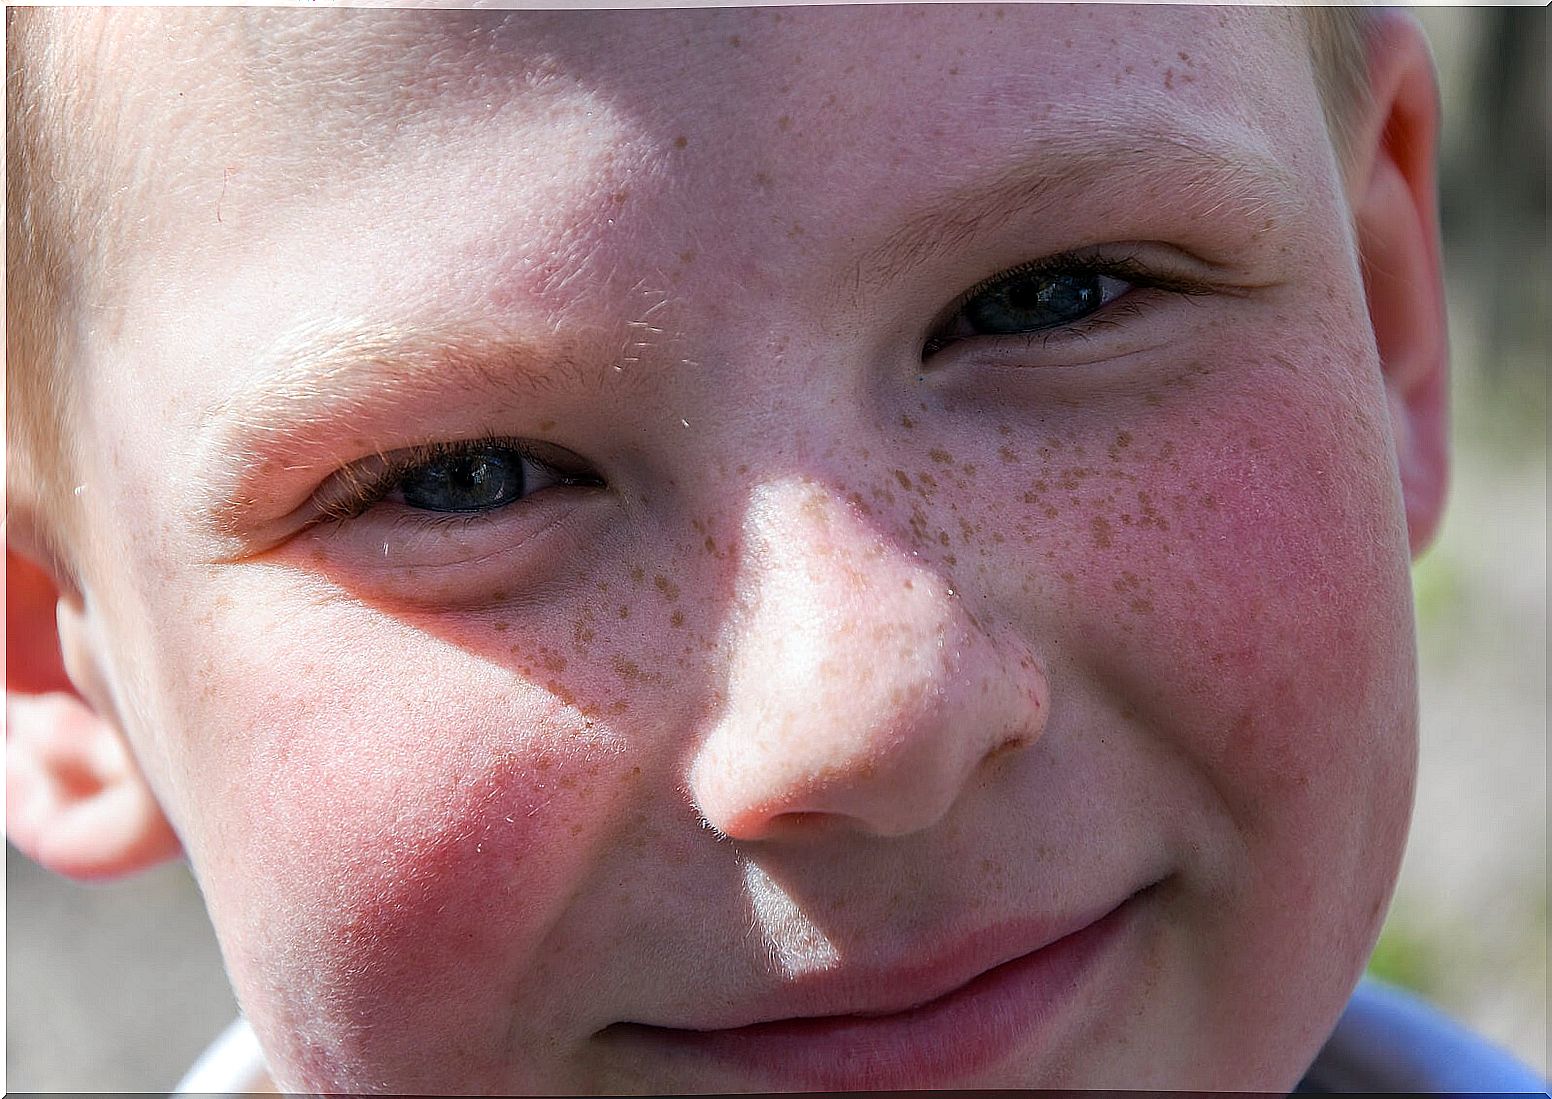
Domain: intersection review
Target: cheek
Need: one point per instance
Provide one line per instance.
(388, 827)
(1224, 554)
(1257, 573)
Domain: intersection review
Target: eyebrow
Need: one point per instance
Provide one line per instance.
(1104, 162)
(314, 382)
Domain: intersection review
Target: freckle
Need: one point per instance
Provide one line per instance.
(581, 634)
(669, 589)
(553, 661)
(742, 470)
(681, 141)
(1142, 606)
(502, 627)
(687, 256)
(1101, 529)
(942, 537)
(942, 457)
(795, 232)
(762, 179)
(906, 422)
(710, 544)
(928, 482)
(1069, 578)
(1006, 454)
(1050, 512)
(627, 668)
(1210, 503)
(997, 537)
(676, 620)
(969, 469)
(784, 122)
(735, 41)
(637, 573)
(905, 482)
(624, 612)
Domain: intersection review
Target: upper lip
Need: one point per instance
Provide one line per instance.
(882, 990)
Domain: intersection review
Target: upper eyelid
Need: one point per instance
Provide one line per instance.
(363, 485)
(1126, 267)
(1061, 263)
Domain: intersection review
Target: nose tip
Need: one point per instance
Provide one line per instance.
(861, 692)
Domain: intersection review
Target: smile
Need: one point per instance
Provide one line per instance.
(921, 1028)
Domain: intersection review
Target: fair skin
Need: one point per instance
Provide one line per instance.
(850, 630)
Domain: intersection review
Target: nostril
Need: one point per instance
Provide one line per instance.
(1008, 746)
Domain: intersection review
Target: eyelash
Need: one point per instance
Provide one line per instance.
(359, 490)
(1124, 268)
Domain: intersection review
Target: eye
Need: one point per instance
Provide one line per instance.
(1027, 303)
(1034, 298)
(467, 479)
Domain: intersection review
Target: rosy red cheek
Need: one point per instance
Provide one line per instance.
(401, 848)
(1236, 579)
(430, 891)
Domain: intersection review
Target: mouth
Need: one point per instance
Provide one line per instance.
(959, 1027)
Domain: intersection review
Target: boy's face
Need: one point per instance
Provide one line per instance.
(848, 638)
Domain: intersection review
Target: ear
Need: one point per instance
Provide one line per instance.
(1395, 211)
(76, 801)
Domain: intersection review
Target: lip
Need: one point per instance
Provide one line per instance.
(921, 1027)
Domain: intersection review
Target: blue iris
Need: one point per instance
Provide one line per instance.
(1030, 302)
(479, 480)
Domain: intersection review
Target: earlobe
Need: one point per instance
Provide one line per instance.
(76, 801)
(1395, 210)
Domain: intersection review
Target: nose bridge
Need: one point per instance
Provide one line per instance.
(859, 687)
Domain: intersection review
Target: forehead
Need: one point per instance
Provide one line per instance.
(319, 97)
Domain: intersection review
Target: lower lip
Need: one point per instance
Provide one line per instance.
(945, 1041)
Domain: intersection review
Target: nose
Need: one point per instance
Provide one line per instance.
(861, 691)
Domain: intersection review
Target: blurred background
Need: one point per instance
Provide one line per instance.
(119, 987)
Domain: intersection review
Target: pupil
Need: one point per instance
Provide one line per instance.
(1034, 302)
(482, 481)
